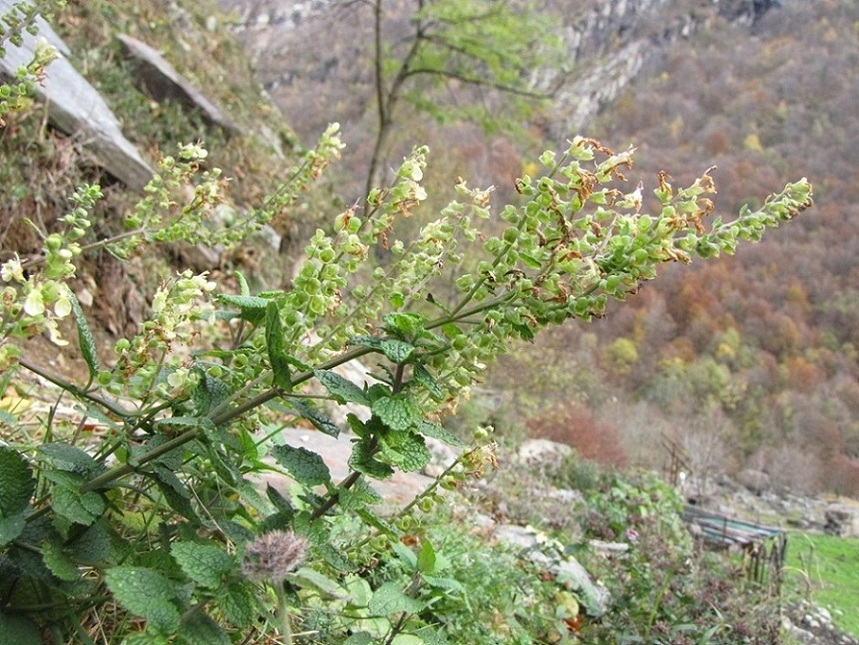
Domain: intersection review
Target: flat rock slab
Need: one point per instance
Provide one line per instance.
(396, 491)
(159, 79)
(76, 108)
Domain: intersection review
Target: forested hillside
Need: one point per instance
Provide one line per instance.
(750, 361)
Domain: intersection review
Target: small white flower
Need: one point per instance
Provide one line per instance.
(62, 307)
(34, 305)
(12, 270)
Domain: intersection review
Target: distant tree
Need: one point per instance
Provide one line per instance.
(466, 48)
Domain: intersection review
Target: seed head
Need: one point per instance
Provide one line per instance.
(273, 555)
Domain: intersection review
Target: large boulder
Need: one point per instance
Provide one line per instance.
(842, 519)
(75, 107)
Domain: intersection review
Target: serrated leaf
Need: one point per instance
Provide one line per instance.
(275, 344)
(405, 554)
(397, 351)
(425, 379)
(77, 507)
(363, 461)
(58, 562)
(319, 420)
(343, 390)
(93, 546)
(359, 495)
(16, 482)
(251, 308)
(239, 605)
(426, 557)
(69, 458)
(407, 450)
(199, 629)
(306, 466)
(178, 424)
(366, 341)
(209, 392)
(408, 324)
(435, 431)
(19, 630)
(281, 503)
(390, 599)
(145, 593)
(359, 638)
(85, 338)
(145, 638)
(11, 528)
(398, 412)
(372, 519)
(206, 564)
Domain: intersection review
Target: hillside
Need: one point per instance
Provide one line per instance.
(759, 349)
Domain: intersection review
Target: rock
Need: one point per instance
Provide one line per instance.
(608, 548)
(543, 453)
(842, 519)
(754, 480)
(159, 79)
(76, 108)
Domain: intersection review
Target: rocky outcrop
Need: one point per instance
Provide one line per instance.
(76, 108)
(157, 78)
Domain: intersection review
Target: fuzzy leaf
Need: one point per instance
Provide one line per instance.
(85, 339)
(239, 605)
(59, 562)
(397, 351)
(407, 450)
(93, 546)
(81, 508)
(307, 577)
(343, 390)
(16, 482)
(208, 393)
(304, 465)
(319, 420)
(206, 564)
(18, 630)
(275, 343)
(408, 324)
(390, 599)
(145, 593)
(62, 456)
(426, 558)
(426, 380)
(363, 461)
(251, 308)
(200, 629)
(11, 527)
(398, 412)
(435, 431)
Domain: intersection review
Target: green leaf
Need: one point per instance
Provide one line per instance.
(407, 324)
(251, 308)
(363, 461)
(19, 630)
(239, 605)
(397, 351)
(390, 599)
(429, 429)
(425, 379)
(206, 564)
(16, 482)
(309, 578)
(77, 507)
(93, 546)
(343, 390)
(407, 450)
(59, 562)
(359, 495)
(304, 465)
(426, 557)
(145, 593)
(398, 412)
(11, 527)
(85, 339)
(275, 343)
(200, 629)
(72, 459)
(366, 341)
(209, 392)
(359, 638)
(319, 420)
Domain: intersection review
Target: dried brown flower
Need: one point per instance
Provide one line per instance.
(273, 555)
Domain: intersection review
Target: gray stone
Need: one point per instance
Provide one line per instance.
(842, 519)
(160, 80)
(544, 453)
(754, 480)
(76, 108)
